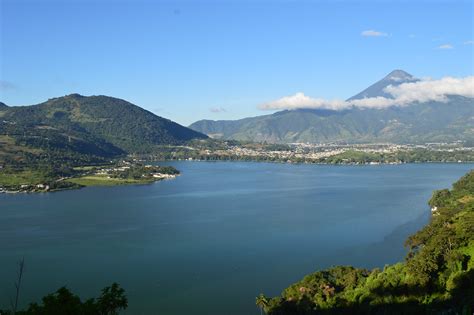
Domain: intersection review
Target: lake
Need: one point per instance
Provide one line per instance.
(221, 233)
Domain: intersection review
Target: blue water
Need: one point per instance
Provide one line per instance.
(211, 240)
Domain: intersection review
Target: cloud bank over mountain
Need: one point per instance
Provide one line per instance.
(419, 91)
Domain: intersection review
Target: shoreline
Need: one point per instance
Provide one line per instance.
(124, 183)
(122, 173)
(312, 163)
(78, 182)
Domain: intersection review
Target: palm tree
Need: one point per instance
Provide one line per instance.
(262, 302)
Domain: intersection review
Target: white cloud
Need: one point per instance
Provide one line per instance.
(217, 110)
(299, 100)
(469, 42)
(445, 46)
(431, 90)
(373, 33)
(402, 95)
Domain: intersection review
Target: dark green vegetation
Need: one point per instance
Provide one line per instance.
(63, 301)
(436, 278)
(406, 156)
(416, 123)
(48, 140)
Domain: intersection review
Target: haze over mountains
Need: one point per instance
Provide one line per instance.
(432, 121)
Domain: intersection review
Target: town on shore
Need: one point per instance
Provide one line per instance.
(324, 153)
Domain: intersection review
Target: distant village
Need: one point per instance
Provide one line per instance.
(318, 152)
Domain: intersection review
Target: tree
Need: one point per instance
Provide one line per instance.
(63, 301)
(262, 302)
(112, 300)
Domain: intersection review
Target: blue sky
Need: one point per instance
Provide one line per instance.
(219, 60)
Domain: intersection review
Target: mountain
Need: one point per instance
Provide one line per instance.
(395, 78)
(415, 123)
(76, 125)
(3, 105)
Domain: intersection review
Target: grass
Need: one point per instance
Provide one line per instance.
(356, 155)
(84, 168)
(31, 177)
(103, 180)
(26, 177)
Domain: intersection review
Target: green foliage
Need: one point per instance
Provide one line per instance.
(63, 301)
(436, 278)
(143, 172)
(112, 300)
(262, 302)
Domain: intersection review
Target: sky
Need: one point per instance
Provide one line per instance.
(191, 60)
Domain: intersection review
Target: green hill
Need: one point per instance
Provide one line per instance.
(79, 129)
(120, 123)
(437, 276)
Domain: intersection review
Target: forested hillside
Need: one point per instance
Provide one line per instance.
(75, 128)
(118, 122)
